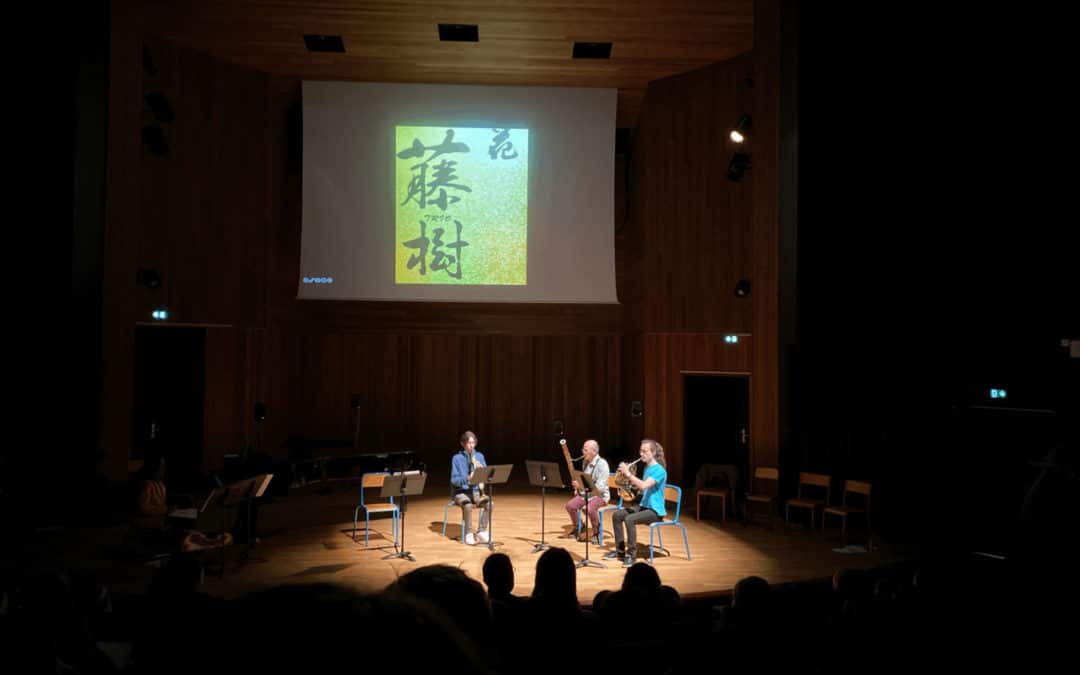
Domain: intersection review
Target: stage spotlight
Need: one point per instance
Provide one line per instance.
(742, 129)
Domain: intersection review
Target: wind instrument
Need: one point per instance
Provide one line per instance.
(627, 491)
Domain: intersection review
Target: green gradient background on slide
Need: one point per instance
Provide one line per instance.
(494, 216)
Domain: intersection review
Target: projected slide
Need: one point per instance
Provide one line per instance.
(455, 193)
(462, 205)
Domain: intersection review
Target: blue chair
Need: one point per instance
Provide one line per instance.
(446, 516)
(613, 487)
(375, 480)
(446, 513)
(672, 493)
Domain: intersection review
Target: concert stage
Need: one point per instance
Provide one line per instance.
(307, 538)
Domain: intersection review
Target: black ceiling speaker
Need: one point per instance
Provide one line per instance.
(154, 139)
(742, 288)
(636, 409)
(557, 426)
(149, 69)
(159, 107)
(148, 278)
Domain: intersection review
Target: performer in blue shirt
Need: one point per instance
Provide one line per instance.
(467, 496)
(649, 509)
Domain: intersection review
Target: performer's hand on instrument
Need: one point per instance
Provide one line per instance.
(574, 484)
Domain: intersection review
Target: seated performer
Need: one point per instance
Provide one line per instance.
(467, 496)
(650, 507)
(597, 468)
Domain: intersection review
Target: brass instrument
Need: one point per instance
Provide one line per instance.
(627, 491)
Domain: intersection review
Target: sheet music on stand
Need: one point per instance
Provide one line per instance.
(491, 475)
(543, 475)
(192, 512)
(586, 481)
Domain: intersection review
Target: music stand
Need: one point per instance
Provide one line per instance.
(233, 494)
(258, 488)
(543, 475)
(491, 475)
(586, 481)
(401, 485)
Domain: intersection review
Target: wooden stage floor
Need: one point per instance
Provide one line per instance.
(306, 538)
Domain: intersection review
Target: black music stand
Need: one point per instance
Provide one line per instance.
(401, 485)
(232, 495)
(543, 475)
(491, 475)
(586, 481)
(258, 488)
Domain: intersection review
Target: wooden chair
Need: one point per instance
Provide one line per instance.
(715, 480)
(375, 480)
(817, 483)
(846, 509)
(758, 495)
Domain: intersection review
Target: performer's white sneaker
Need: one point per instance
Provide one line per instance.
(482, 537)
(470, 539)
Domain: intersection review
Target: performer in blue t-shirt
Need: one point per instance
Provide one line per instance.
(649, 509)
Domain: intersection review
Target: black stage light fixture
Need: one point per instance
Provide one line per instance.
(741, 131)
(148, 278)
(739, 165)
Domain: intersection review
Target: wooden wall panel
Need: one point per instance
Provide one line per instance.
(692, 234)
(419, 391)
(765, 385)
(225, 408)
(696, 222)
(203, 209)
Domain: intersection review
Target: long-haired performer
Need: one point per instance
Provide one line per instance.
(651, 506)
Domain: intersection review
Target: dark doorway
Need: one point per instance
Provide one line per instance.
(716, 423)
(167, 420)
